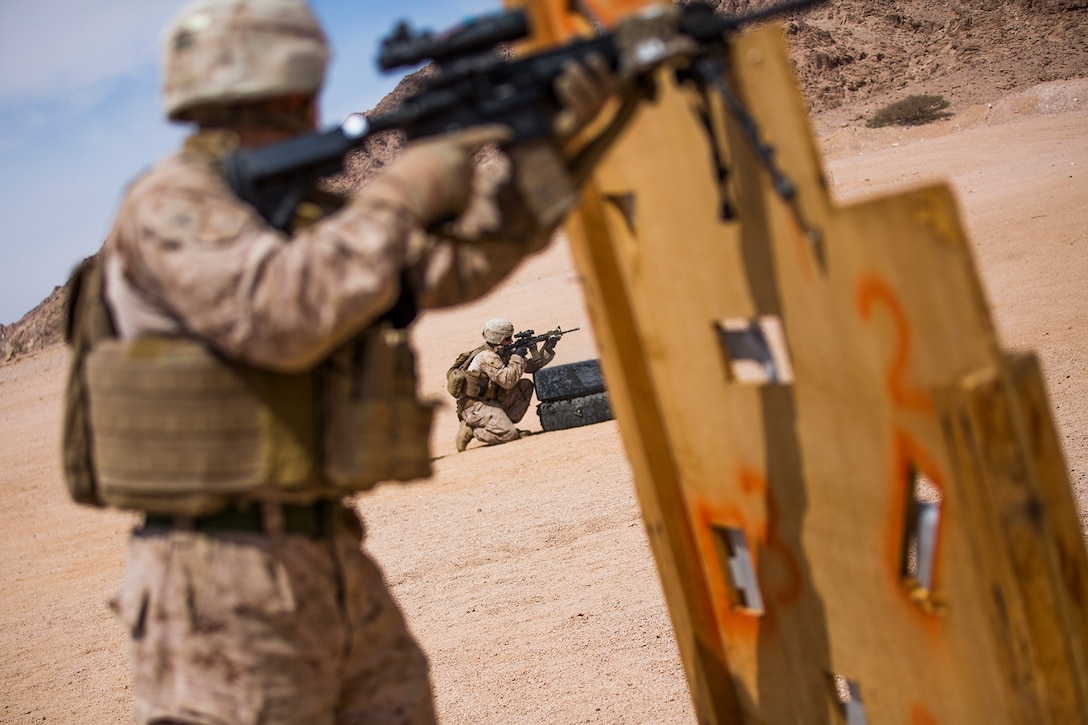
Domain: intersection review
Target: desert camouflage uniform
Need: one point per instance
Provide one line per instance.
(248, 627)
(185, 256)
(494, 421)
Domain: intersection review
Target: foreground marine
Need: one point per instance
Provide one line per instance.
(235, 382)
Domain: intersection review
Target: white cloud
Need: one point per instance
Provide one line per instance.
(51, 48)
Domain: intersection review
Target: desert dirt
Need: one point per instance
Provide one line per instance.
(524, 569)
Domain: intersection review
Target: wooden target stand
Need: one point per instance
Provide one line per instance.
(856, 499)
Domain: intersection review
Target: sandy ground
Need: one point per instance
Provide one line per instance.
(524, 569)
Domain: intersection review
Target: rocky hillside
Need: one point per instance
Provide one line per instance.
(863, 54)
(851, 57)
(40, 328)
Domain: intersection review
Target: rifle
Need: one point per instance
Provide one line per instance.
(528, 339)
(476, 84)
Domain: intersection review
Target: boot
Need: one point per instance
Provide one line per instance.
(464, 437)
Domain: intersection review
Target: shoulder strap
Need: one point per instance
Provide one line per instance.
(87, 320)
(465, 359)
(86, 317)
(472, 356)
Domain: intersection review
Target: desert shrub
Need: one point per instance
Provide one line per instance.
(911, 111)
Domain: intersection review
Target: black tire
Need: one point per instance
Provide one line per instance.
(563, 414)
(565, 382)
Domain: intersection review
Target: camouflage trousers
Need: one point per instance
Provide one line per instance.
(493, 421)
(254, 629)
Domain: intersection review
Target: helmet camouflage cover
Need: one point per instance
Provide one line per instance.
(220, 52)
(496, 330)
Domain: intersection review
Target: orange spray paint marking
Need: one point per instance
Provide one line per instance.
(872, 291)
(763, 537)
(751, 482)
(742, 629)
(769, 535)
(706, 515)
(897, 512)
(909, 457)
(919, 715)
(790, 592)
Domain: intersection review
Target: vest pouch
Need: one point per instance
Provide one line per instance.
(376, 429)
(478, 386)
(455, 382)
(178, 430)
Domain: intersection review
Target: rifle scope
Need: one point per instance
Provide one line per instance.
(406, 47)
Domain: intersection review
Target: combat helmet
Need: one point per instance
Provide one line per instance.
(496, 330)
(221, 52)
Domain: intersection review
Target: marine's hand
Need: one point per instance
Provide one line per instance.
(435, 175)
(549, 344)
(583, 89)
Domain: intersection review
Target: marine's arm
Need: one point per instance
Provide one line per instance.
(505, 375)
(497, 229)
(540, 358)
(493, 236)
(205, 262)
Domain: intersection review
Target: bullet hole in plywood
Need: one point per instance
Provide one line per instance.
(921, 531)
(755, 350)
(847, 693)
(740, 572)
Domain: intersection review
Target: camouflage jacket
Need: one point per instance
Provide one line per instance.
(185, 256)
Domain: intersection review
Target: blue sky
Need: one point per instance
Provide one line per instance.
(80, 115)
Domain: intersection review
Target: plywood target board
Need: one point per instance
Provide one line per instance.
(855, 498)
